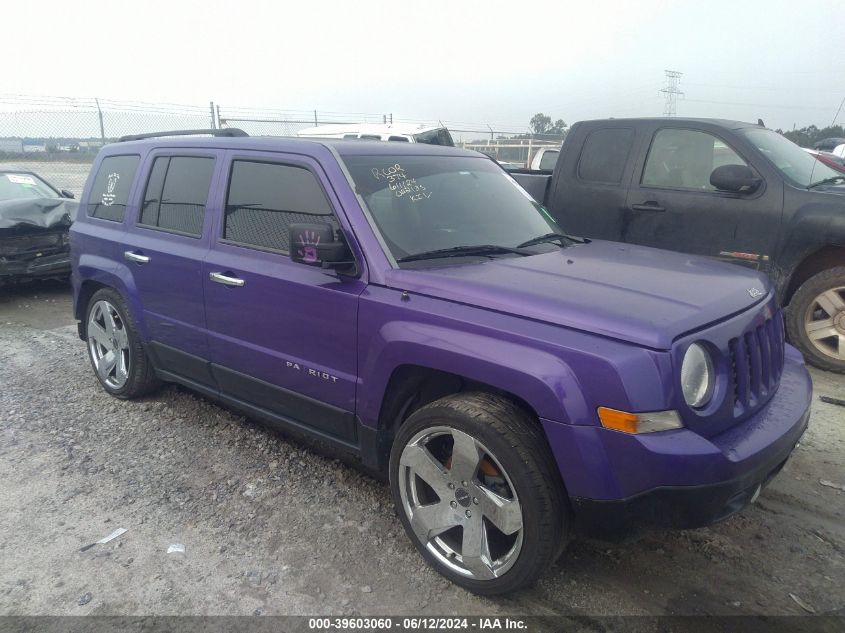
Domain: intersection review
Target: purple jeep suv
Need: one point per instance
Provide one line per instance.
(411, 307)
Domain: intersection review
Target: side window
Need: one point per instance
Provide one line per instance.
(176, 194)
(605, 154)
(684, 159)
(549, 159)
(264, 199)
(399, 139)
(370, 137)
(110, 191)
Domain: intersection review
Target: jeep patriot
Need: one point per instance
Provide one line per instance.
(413, 308)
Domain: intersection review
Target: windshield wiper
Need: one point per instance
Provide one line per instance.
(461, 251)
(826, 181)
(552, 237)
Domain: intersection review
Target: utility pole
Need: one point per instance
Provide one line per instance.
(671, 92)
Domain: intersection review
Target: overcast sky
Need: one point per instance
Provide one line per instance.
(459, 62)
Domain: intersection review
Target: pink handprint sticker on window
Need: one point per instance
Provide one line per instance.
(307, 249)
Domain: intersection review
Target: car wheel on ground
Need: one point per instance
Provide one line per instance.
(815, 319)
(114, 348)
(478, 492)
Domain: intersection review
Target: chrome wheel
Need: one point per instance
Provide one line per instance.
(108, 344)
(824, 323)
(460, 503)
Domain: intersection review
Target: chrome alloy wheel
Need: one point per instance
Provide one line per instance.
(108, 344)
(824, 323)
(460, 502)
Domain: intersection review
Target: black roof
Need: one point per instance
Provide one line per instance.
(725, 123)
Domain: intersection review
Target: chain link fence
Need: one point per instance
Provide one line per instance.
(58, 137)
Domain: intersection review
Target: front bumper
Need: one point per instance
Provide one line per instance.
(12, 271)
(618, 482)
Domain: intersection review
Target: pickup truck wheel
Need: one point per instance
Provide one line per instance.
(815, 319)
(478, 492)
(114, 348)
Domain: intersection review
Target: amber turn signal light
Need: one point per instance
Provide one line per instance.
(639, 422)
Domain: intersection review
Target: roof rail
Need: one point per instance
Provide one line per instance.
(228, 131)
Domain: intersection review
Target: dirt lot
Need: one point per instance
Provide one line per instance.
(271, 528)
(60, 174)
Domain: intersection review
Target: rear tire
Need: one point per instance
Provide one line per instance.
(815, 319)
(479, 493)
(115, 350)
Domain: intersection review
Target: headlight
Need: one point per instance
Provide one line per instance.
(697, 376)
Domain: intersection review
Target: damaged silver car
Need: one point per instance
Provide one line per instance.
(34, 222)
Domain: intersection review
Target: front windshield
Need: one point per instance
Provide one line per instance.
(794, 163)
(21, 185)
(426, 203)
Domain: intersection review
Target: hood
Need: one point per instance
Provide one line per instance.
(632, 293)
(41, 213)
(840, 189)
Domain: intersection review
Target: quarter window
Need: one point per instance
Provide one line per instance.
(264, 199)
(684, 159)
(605, 155)
(110, 191)
(177, 192)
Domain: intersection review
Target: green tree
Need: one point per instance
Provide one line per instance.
(540, 123)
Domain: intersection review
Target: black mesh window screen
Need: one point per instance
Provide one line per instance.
(264, 199)
(177, 192)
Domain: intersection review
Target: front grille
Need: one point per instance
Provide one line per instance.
(757, 364)
(31, 245)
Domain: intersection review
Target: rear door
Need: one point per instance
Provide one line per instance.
(671, 203)
(591, 180)
(164, 249)
(282, 335)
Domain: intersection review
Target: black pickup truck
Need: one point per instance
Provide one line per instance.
(730, 190)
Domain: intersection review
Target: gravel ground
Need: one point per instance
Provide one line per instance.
(272, 528)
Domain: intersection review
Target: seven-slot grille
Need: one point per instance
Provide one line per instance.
(757, 364)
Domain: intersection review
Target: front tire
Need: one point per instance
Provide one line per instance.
(478, 492)
(815, 319)
(114, 348)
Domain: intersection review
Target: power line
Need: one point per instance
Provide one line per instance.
(671, 92)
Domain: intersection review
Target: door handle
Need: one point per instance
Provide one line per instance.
(220, 278)
(647, 206)
(136, 257)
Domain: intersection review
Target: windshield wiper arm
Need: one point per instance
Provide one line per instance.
(460, 251)
(826, 181)
(551, 237)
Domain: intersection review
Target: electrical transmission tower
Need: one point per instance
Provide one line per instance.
(671, 92)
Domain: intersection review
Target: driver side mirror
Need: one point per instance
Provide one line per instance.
(316, 245)
(735, 178)
(67, 194)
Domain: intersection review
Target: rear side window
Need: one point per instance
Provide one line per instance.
(176, 194)
(605, 154)
(264, 199)
(110, 191)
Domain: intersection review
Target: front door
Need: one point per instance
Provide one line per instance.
(282, 335)
(671, 203)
